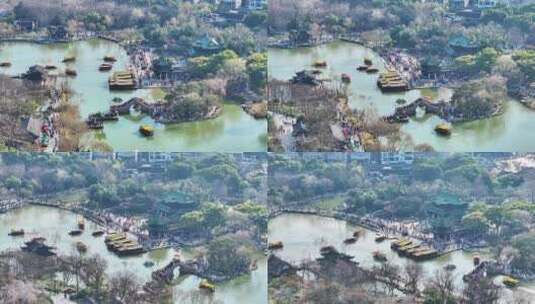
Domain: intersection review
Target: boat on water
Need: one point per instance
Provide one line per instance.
(69, 59)
(316, 72)
(346, 78)
(253, 266)
(320, 64)
(105, 67)
(71, 72)
(372, 70)
(205, 285)
(476, 260)
(275, 245)
(81, 247)
(75, 232)
(351, 240)
(81, 223)
(443, 129)
(358, 232)
(380, 237)
(14, 232)
(5, 64)
(368, 61)
(450, 267)
(50, 67)
(362, 68)
(148, 264)
(110, 58)
(97, 233)
(37, 245)
(379, 256)
(146, 130)
(510, 282)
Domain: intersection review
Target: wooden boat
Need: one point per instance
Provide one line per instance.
(379, 256)
(316, 72)
(5, 64)
(75, 232)
(362, 68)
(81, 223)
(443, 129)
(380, 237)
(510, 282)
(14, 232)
(476, 260)
(105, 67)
(50, 67)
(148, 264)
(346, 78)
(69, 59)
(81, 247)
(450, 267)
(320, 64)
(275, 245)
(358, 232)
(253, 266)
(350, 240)
(71, 72)
(146, 130)
(109, 58)
(368, 61)
(372, 70)
(97, 233)
(205, 285)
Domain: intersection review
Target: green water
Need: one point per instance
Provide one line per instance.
(233, 131)
(303, 236)
(54, 224)
(511, 131)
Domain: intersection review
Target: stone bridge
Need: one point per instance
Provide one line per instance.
(401, 114)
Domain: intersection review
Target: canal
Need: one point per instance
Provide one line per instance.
(233, 131)
(499, 134)
(303, 235)
(54, 224)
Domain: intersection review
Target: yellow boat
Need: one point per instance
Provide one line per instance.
(510, 282)
(443, 129)
(320, 64)
(207, 286)
(146, 130)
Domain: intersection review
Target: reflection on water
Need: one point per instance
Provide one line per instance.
(54, 224)
(303, 236)
(233, 131)
(508, 132)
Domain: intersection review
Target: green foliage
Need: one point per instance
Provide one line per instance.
(525, 59)
(433, 296)
(225, 257)
(510, 180)
(475, 223)
(257, 69)
(180, 170)
(426, 171)
(524, 259)
(105, 195)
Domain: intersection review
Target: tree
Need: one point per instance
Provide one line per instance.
(486, 59)
(124, 286)
(226, 259)
(475, 223)
(440, 289)
(180, 170)
(481, 290)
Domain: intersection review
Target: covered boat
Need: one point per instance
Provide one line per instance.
(14, 232)
(275, 245)
(146, 130)
(71, 72)
(205, 285)
(320, 64)
(105, 67)
(443, 129)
